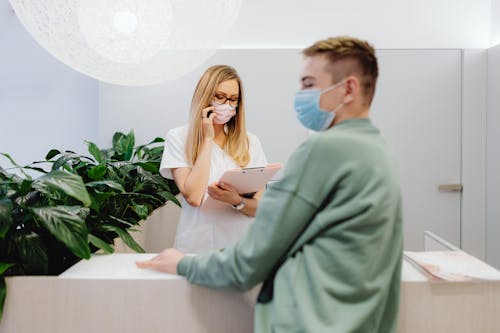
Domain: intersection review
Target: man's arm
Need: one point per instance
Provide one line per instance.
(281, 218)
(284, 212)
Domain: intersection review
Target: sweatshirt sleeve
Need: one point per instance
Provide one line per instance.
(284, 212)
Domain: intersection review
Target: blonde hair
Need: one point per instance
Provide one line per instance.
(358, 57)
(236, 145)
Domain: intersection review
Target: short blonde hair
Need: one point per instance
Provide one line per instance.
(357, 57)
(237, 145)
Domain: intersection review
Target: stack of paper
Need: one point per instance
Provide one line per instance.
(451, 266)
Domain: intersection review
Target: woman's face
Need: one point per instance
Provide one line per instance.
(227, 92)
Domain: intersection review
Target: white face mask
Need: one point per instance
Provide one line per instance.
(223, 113)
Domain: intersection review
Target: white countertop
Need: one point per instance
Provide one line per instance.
(114, 266)
(122, 266)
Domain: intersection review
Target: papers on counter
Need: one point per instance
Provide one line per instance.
(453, 266)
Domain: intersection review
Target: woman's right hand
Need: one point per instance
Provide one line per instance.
(208, 123)
(192, 181)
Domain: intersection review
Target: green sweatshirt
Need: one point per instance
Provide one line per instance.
(330, 230)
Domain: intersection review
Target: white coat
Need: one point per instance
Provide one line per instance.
(202, 229)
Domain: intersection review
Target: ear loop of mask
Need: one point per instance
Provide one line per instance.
(226, 125)
(331, 88)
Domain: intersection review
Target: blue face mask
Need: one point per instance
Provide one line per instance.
(309, 112)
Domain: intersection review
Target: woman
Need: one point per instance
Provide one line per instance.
(197, 155)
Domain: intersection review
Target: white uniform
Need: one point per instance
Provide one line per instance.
(202, 229)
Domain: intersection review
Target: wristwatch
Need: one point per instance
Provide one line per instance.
(241, 205)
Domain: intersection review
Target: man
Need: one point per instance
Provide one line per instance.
(327, 239)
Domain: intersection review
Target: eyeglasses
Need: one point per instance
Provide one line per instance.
(221, 99)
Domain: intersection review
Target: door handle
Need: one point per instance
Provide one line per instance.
(451, 188)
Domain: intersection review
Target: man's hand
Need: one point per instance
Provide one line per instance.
(165, 262)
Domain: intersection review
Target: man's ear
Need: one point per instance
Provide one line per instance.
(352, 89)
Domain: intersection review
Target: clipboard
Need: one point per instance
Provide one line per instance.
(250, 180)
(245, 181)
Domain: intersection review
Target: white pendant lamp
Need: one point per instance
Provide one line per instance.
(129, 42)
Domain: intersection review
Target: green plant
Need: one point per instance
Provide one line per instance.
(78, 205)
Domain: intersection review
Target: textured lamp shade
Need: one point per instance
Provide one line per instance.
(129, 42)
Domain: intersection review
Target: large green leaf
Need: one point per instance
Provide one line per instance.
(143, 150)
(108, 183)
(51, 154)
(3, 294)
(16, 165)
(124, 144)
(3, 287)
(32, 253)
(4, 175)
(129, 145)
(107, 154)
(148, 197)
(141, 210)
(61, 161)
(156, 151)
(128, 224)
(30, 199)
(10, 159)
(25, 187)
(83, 213)
(34, 168)
(117, 137)
(65, 224)
(100, 200)
(94, 151)
(66, 182)
(4, 267)
(156, 140)
(101, 244)
(97, 172)
(6, 208)
(127, 239)
(170, 197)
(148, 166)
(151, 178)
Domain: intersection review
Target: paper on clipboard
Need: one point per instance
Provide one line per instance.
(245, 180)
(250, 180)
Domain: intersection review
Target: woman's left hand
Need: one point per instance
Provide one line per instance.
(224, 192)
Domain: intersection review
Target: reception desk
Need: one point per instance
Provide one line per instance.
(108, 294)
(447, 307)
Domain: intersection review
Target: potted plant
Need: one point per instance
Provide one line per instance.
(78, 205)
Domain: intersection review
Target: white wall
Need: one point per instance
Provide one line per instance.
(446, 83)
(473, 142)
(43, 103)
(270, 78)
(493, 158)
(495, 22)
(57, 106)
(386, 23)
